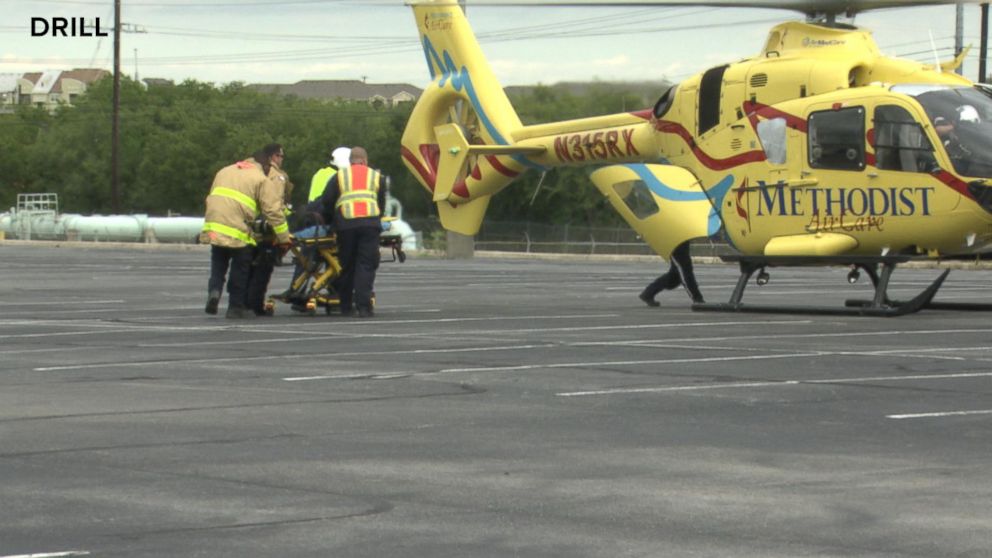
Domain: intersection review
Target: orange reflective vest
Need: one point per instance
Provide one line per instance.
(358, 186)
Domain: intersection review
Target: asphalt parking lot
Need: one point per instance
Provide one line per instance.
(493, 408)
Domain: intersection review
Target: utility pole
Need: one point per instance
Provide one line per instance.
(959, 35)
(115, 132)
(984, 49)
(115, 126)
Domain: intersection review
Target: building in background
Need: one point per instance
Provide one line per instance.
(377, 94)
(49, 89)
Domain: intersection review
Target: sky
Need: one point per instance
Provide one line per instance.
(284, 41)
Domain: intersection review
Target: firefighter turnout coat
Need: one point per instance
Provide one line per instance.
(240, 192)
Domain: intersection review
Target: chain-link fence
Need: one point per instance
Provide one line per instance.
(523, 236)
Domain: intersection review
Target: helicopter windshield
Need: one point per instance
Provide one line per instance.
(962, 118)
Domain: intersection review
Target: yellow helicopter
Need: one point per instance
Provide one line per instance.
(817, 151)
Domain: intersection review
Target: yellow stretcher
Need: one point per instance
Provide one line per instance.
(313, 288)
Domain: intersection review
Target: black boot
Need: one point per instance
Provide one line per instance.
(213, 301)
(648, 299)
(239, 313)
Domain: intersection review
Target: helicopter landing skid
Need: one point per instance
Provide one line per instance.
(879, 305)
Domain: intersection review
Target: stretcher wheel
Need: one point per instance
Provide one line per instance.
(270, 307)
(311, 307)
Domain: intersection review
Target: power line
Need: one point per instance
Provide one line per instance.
(216, 4)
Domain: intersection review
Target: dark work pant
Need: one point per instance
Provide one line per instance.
(238, 260)
(679, 273)
(358, 252)
(262, 266)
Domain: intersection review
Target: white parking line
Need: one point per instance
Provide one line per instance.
(49, 302)
(782, 383)
(228, 360)
(49, 554)
(899, 333)
(939, 415)
(587, 364)
(366, 375)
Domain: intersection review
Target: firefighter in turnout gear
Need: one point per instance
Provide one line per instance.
(240, 192)
(356, 195)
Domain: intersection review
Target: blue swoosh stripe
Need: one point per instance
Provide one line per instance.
(461, 80)
(718, 192)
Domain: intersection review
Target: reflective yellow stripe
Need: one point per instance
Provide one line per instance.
(237, 196)
(355, 196)
(283, 228)
(350, 197)
(229, 231)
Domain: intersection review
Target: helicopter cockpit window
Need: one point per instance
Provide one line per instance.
(636, 195)
(962, 121)
(836, 139)
(771, 133)
(900, 143)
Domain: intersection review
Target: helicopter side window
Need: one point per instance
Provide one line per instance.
(664, 103)
(836, 139)
(636, 195)
(771, 133)
(900, 143)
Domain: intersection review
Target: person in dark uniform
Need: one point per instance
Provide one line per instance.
(356, 195)
(679, 273)
(267, 251)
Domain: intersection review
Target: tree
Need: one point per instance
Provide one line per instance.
(175, 138)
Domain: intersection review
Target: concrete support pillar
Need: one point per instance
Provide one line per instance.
(460, 246)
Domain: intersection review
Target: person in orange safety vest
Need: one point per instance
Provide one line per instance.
(356, 196)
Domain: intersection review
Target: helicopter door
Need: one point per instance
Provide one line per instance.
(834, 199)
(867, 191)
(903, 189)
(663, 203)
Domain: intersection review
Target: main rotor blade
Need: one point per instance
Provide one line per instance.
(806, 6)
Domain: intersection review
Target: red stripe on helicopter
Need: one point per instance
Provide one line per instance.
(461, 189)
(431, 154)
(944, 176)
(646, 114)
(669, 127)
(754, 110)
(501, 168)
(955, 183)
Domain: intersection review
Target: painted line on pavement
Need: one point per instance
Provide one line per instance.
(61, 303)
(49, 554)
(939, 415)
(775, 384)
(228, 360)
(792, 336)
(587, 364)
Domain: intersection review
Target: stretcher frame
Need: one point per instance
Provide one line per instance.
(316, 283)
